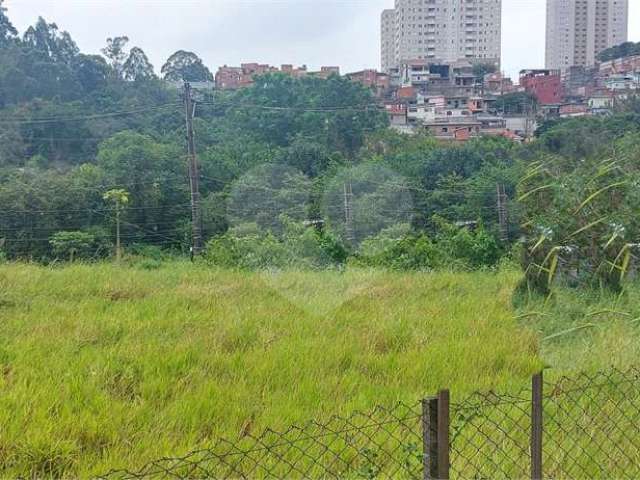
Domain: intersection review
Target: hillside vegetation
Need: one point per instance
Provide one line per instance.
(76, 126)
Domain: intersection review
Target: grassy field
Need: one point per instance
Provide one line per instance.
(104, 367)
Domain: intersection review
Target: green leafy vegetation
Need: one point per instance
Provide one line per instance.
(80, 126)
(517, 103)
(346, 265)
(623, 50)
(582, 218)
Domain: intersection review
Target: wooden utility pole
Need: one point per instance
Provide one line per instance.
(196, 224)
(503, 217)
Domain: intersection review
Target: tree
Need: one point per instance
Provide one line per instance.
(116, 53)
(517, 103)
(334, 112)
(115, 50)
(137, 67)
(8, 32)
(618, 51)
(482, 69)
(72, 244)
(119, 198)
(186, 66)
(46, 39)
(12, 147)
(91, 71)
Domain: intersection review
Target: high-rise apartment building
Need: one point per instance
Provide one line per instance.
(577, 30)
(441, 30)
(388, 36)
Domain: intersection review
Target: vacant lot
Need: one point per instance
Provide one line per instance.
(107, 367)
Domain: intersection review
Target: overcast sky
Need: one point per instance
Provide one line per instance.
(312, 32)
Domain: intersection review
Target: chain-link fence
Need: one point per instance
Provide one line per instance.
(490, 436)
(588, 427)
(384, 443)
(592, 426)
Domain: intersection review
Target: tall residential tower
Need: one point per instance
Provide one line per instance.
(577, 30)
(441, 30)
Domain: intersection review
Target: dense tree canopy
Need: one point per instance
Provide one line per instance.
(75, 126)
(48, 41)
(186, 66)
(619, 51)
(137, 67)
(116, 53)
(7, 31)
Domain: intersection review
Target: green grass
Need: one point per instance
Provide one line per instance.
(586, 330)
(106, 367)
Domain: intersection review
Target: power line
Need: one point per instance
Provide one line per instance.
(96, 210)
(97, 116)
(235, 105)
(313, 109)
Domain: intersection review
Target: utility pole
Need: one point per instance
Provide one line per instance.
(196, 225)
(118, 245)
(348, 211)
(503, 217)
(119, 198)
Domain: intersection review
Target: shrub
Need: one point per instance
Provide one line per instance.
(412, 252)
(246, 247)
(467, 248)
(582, 218)
(452, 248)
(73, 245)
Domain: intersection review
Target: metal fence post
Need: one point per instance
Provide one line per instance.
(430, 438)
(537, 386)
(435, 437)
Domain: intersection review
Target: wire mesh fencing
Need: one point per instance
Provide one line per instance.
(384, 443)
(588, 426)
(490, 436)
(592, 426)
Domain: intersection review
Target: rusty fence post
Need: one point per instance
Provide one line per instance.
(435, 437)
(537, 385)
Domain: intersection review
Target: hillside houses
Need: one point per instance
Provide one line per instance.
(453, 101)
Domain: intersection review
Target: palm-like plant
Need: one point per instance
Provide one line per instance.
(582, 217)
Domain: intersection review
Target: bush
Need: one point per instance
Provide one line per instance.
(73, 245)
(452, 248)
(147, 257)
(582, 218)
(305, 248)
(413, 252)
(467, 248)
(247, 247)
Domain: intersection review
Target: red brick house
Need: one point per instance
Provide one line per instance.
(545, 85)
